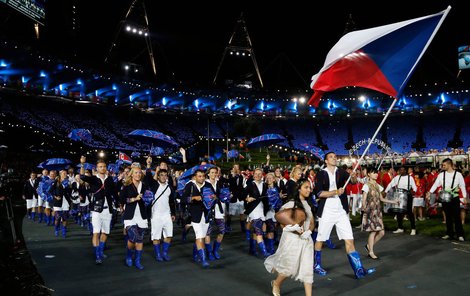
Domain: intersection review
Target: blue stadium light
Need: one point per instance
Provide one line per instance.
(79, 82)
(3, 64)
(114, 87)
(196, 103)
(42, 74)
(164, 101)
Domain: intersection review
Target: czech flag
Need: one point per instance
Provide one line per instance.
(125, 158)
(380, 58)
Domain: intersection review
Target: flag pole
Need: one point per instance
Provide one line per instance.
(372, 139)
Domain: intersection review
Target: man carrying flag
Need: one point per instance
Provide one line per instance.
(383, 59)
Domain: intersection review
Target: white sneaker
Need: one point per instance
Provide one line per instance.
(461, 239)
(399, 230)
(413, 232)
(445, 237)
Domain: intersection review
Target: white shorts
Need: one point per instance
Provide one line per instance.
(200, 229)
(418, 202)
(342, 223)
(101, 221)
(31, 203)
(160, 224)
(43, 203)
(236, 208)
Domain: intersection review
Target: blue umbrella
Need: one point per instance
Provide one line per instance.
(80, 134)
(156, 151)
(190, 172)
(174, 160)
(265, 140)
(56, 164)
(88, 166)
(186, 176)
(153, 137)
(318, 152)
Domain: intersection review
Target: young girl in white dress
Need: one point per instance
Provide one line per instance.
(294, 256)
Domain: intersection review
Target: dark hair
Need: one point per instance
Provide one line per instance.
(372, 170)
(101, 161)
(161, 171)
(448, 160)
(296, 197)
(326, 155)
(199, 171)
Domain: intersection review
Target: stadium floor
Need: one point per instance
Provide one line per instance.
(408, 265)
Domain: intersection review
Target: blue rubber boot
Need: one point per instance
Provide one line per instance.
(98, 259)
(129, 255)
(216, 250)
(158, 253)
(56, 230)
(209, 254)
(269, 245)
(165, 248)
(138, 256)
(202, 256)
(262, 247)
(317, 263)
(248, 235)
(356, 264)
(101, 250)
(253, 250)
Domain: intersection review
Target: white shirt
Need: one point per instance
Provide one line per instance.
(333, 204)
(137, 219)
(102, 180)
(401, 182)
(161, 208)
(258, 212)
(459, 182)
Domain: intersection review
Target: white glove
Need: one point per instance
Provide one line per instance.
(293, 228)
(306, 235)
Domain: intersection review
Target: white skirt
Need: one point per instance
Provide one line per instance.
(293, 258)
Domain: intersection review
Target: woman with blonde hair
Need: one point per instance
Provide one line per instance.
(135, 214)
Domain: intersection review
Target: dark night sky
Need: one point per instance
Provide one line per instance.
(189, 38)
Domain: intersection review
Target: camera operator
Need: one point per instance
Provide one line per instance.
(12, 208)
